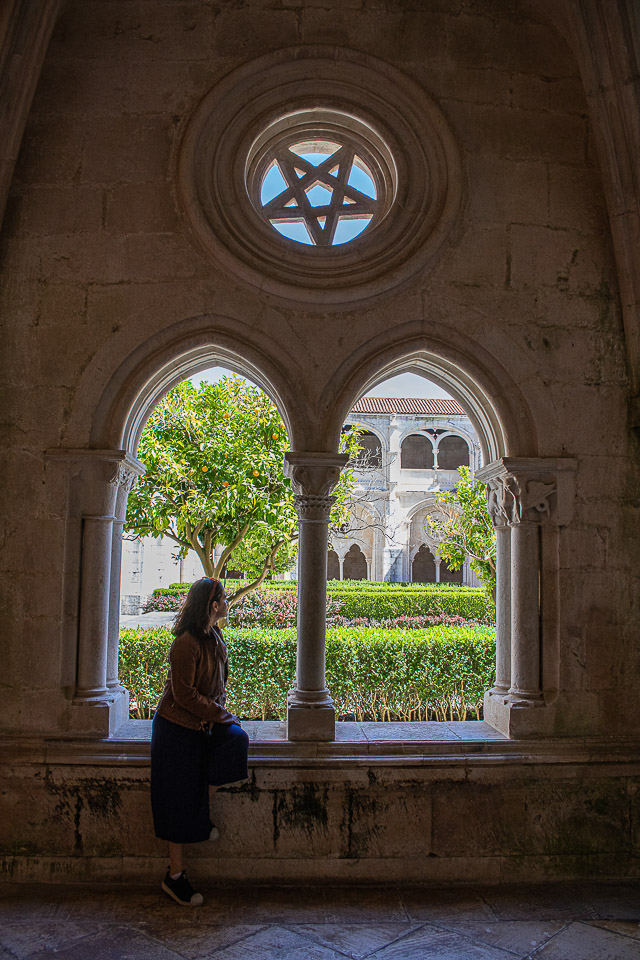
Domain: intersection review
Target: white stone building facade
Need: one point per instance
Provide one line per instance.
(412, 449)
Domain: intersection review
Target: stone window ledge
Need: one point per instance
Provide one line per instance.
(356, 744)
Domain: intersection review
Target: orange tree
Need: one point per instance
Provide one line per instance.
(463, 528)
(214, 459)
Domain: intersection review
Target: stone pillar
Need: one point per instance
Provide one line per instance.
(93, 482)
(525, 614)
(97, 535)
(523, 495)
(437, 562)
(341, 562)
(311, 714)
(503, 610)
(127, 476)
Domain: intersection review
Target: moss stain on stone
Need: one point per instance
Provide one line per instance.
(360, 809)
(304, 807)
(100, 796)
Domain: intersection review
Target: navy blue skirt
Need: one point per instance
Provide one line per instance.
(183, 764)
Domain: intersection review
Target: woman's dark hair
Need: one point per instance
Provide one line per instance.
(196, 609)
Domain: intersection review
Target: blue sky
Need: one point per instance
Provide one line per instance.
(404, 385)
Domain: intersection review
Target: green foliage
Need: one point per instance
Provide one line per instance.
(142, 667)
(373, 674)
(214, 459)
(362, 601)
(466, 529)
(384, 604)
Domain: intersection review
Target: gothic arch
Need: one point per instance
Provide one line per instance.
(370, 428)
(481, 385)
(429, 447)
(455, 436)
(182, 350)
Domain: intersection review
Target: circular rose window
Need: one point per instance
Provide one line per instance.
(320, 174)
(320, 178)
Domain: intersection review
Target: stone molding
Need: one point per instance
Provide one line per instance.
(25, 31)
(225, 134)
(314, 475)
(311, 509)
(100, 478)
(523, 490)
(314, 699)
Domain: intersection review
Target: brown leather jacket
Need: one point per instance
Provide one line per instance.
(194, 694)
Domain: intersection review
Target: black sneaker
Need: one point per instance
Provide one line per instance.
(181, 890)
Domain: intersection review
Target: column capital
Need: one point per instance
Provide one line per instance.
(116, 465)
(529, 490)
(97, 478)
(312, 509)
(314, 474)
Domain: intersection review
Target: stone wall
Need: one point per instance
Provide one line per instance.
(464, 813)
(108, 298)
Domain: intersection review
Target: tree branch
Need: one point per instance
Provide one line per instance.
(228, 550)
(268, 565)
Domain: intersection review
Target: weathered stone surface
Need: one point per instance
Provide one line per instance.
(532, 302)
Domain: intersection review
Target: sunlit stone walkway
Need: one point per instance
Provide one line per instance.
(590, 921)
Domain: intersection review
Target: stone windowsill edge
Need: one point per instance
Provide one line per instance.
(605, 751)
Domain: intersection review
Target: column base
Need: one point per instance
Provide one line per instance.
(517, 717)
(305, 722)
(99, 716)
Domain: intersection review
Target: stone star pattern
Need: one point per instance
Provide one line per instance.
(294, 205)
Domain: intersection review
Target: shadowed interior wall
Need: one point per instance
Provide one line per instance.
(104, 286)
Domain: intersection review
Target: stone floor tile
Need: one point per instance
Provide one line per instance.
(403, 732)
(445, 903)
(627, 927)
(194, 939)
(270, 730)
(612, 901)
(40, 901)
(114, 944)
(24, 937)
(475, 730)
(520, 936)
(551, 901)
(130, 905)
(261, 904)
(582, 941)
(435, 944)
(275, 943)
(356, 940)
(364, 905)
(347, 732)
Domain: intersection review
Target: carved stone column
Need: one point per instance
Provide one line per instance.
(94, 482)
(311, 714)
(97, 535)
(495, 503)
(127, 475)
(523, 495)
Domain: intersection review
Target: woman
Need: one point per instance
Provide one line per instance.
(196, 744)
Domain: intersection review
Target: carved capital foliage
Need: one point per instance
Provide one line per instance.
(529, 490)
(98, 479)
(314, 474)
(124, 478)
(312, 509)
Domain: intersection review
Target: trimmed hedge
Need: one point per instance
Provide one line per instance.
(333, 586)
(399, 674)
(279, 607)
(473, 604)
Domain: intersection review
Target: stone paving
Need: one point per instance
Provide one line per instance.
(577, 921)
